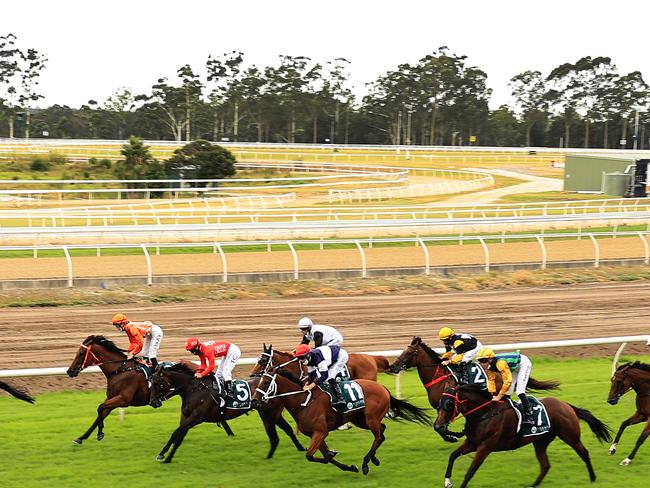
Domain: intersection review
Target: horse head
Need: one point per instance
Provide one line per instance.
(622, 381)
(460, 400)
(263, 361)
(94, 351)
(410, 356)
(166, 379)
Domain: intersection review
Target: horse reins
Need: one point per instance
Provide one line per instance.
(458, 401)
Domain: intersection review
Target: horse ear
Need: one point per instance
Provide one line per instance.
(264, 346)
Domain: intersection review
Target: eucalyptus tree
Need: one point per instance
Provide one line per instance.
(116, 107)
(291, 82)
(33, 64)
(226, 73)
(529, 92)
(10, 56)
(631, 94)
(336, 94)
(562, 97)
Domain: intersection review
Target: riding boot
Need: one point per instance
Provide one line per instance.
(338, 402)
(228, 385)
(528, 412)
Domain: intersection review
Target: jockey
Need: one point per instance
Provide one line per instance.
(322, 335)
(324, 363)
(144, 338)
(515, 372)
(208, 351)
(461, 349)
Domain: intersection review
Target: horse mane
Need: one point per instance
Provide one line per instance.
(635, 365)
(430, 352)
(288, 375)
(103, 341)
(181, 368)
(478, 389)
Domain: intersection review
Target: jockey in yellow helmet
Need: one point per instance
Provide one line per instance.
(460, 349)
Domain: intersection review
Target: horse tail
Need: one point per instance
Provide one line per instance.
(382, 364)
(402, 410)
(602, 432)
(534, 384)
(21, 395)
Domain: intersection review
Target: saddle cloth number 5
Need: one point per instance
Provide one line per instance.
(241, 392)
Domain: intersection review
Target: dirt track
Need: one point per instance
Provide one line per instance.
(49, 337)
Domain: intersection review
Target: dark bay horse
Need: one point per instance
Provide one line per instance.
(635, 376)
(21, 395)
(315, 416)
(126, 385)
(201, 405)
(360, 366)
(437, 378)
(492, 426)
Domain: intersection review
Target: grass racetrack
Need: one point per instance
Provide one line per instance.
(36, 447)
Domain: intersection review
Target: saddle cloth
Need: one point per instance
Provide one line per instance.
(541, 421)
(352, 394)
(241, 396)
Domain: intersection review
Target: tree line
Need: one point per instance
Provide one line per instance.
(440, 100)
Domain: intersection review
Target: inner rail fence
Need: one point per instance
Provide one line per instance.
(519, 346)
(360, 244)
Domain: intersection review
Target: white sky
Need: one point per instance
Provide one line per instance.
(96, 46)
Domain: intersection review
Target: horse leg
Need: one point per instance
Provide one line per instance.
(465, 448)
(178, 435)
(542, 457)
(272, 433)
(639, 441)
(328, 456)
(102, 413)
(582, 451)
(286, 428)
(107, 407)
(377, 428)
(481, 453)
(634, 419)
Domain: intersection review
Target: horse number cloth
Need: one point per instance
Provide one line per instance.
(241, 396)
(352, 394)
(541, 422)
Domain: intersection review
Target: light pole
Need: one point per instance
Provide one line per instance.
(636, 128)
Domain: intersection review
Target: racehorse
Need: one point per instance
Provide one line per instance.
(437, 378)
(360, 366)
(634, 376)
(126, 385)
(492, 427)
(21, 395)
(200, 405)
(315, 416)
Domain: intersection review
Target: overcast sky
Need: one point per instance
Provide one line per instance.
(96, 46)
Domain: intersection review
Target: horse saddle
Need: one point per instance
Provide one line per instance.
(541, 422)
(351, 391)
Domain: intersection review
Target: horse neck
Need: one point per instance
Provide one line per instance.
(640, 380)
(180, 381)
(110, 361)
(428, 369)
(282, 357)
(291, 402)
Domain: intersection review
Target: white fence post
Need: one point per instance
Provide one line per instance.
(295, 260)
(148, 258)
(363, 258)
(540, 240)
(645, 248)
(427, 267)
(224, 262)
(487, 254)
(596, 250)
(69, 262)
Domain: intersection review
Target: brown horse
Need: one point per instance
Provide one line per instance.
(635, 376)
(21, 395)
(437, 378)
(126, 385)
(201, 405)
(360, 366)
(315, 416)
(492, 426)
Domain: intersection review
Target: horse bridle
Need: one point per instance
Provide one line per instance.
(96, 361)
(458, 402)
(272, 390)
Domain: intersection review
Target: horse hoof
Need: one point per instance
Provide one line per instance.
(354, 468)
(167, 461)
(77, 442)
(625, 462)
(160, 457)
(375, 461)
(345, 426)
(612, 450)
(365, 469)
(100, 436)
(448, 483)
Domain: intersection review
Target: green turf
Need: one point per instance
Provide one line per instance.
(36, 448)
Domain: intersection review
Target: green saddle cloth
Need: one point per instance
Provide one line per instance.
(541, 422)
(352, 394)
(241, 396)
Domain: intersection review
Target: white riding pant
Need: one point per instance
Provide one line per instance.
(339, 366)
(521, 376)
(152, 343)
(229, 362)
(469, 356)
